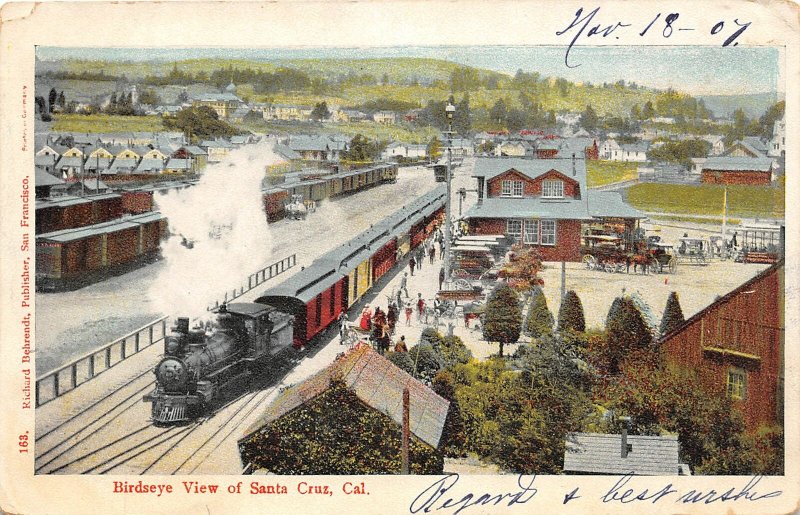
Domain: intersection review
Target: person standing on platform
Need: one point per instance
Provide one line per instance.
(441, 278)
(411, 264)
(420, 258)
(431, 253)
(409, 312)
(342, 327)
(420, 306)
(403, 286)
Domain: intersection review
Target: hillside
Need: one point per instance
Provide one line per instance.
(753, 105)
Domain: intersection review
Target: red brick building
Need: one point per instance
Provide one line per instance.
(736, 346)
(753, 171)
(540, 202)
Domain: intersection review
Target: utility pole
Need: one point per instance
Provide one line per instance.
(724, 220)
(83, 185)
(449, 111)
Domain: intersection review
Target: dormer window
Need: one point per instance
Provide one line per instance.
(512, 189)
(552, 188)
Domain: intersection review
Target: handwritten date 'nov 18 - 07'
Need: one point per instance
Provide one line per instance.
(584, 26)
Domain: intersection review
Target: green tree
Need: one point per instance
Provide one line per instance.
(200, 123)
(648, 112)
(427, 362)
(434, 149)
(360, 149)
(503, 318)
(636, 112)
(768, 119)
(499, 112)
(150, 97)
(522, 268)
(673, 314)
(183, 96)
(570, 314)
(62, 101)
(540, 320)
(320, 112)
(627, 334)
(52, 97)
(454, 438)
(589, 119)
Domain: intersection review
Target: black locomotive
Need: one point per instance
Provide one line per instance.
(200, 363)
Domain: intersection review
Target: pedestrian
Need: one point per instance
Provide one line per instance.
(366, 318)
(420, 257)
(409, 311)
(441, 278)
(420, 306)
(411, 264)
(342, 327)
(441, 248)
(399, 301)
(403, 285)
(391, 318)
(400, 346)
(431, 253)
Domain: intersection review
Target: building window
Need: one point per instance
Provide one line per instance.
(531, 231)
(553, 189)
(514, 229)
(512, 189)
(548, 232)
(736, 383)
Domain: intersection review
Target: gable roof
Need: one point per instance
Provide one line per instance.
(490, 168)
(725, 298)
(600, 453)
(43, 178)
(378, 383)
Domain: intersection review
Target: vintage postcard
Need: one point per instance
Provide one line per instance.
(399, 257)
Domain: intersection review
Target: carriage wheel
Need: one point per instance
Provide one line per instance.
(590, 262)
(655, 266)
(673, 265)
(610, 268)
(463, 284)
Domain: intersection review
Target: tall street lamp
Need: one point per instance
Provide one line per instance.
(449, 112)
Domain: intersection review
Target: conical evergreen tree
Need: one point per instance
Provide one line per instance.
(540, 320)
(673, 315)
(503, 318)
(627, 332)
(570, 314)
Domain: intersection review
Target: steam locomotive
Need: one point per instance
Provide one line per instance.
(198, 364)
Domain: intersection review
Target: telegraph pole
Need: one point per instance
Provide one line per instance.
(449, 111)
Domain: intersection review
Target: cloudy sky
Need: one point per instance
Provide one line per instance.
(706, 70)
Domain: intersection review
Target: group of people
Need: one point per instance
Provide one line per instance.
(380, 325)
(426, 249)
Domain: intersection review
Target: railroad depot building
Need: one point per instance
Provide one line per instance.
(736, 346)
(543, 203)
(347, 419)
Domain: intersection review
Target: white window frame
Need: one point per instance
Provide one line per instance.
(516, 233)
(531, 232)
(736, 384)
(552, 188)
(545, 237)
(512, 189)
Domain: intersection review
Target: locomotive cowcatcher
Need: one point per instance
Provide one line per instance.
(199, 363)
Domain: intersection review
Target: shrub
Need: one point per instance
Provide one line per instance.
(673, 315)
(570, 314)
(540, 320)
(503, 318)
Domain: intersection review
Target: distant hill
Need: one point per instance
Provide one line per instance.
(754, 105)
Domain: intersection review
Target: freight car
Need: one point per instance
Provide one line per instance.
(200, 364)
(72, 258)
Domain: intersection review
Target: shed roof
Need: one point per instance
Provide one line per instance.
(79, 233)
(43, 178)
(597, 453)
(378, 383)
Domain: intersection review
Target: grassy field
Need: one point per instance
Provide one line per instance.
(706, 199)
(106, 123)
(600, 173)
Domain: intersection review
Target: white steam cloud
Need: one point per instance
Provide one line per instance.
(218, 233)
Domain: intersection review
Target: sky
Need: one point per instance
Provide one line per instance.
(698, 70)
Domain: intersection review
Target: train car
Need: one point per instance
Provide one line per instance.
(76, 257)
(57, 214)
(199, 364)
(275, 204)
(314, 296)
(761, 242)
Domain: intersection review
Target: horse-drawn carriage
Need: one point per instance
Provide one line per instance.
(613, 253)
(694, 250)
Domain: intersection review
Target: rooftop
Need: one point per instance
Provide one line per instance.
(596, 453)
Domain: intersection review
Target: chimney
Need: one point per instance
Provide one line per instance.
(626, 447)
(574, 171)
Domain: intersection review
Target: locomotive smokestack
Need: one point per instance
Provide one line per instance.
(182, 325)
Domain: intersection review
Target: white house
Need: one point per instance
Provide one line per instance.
(405, 150)
(635, 152)
(610, 150)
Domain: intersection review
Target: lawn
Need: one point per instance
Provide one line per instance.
(600, 173)
(707, 199)
(106, 123)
